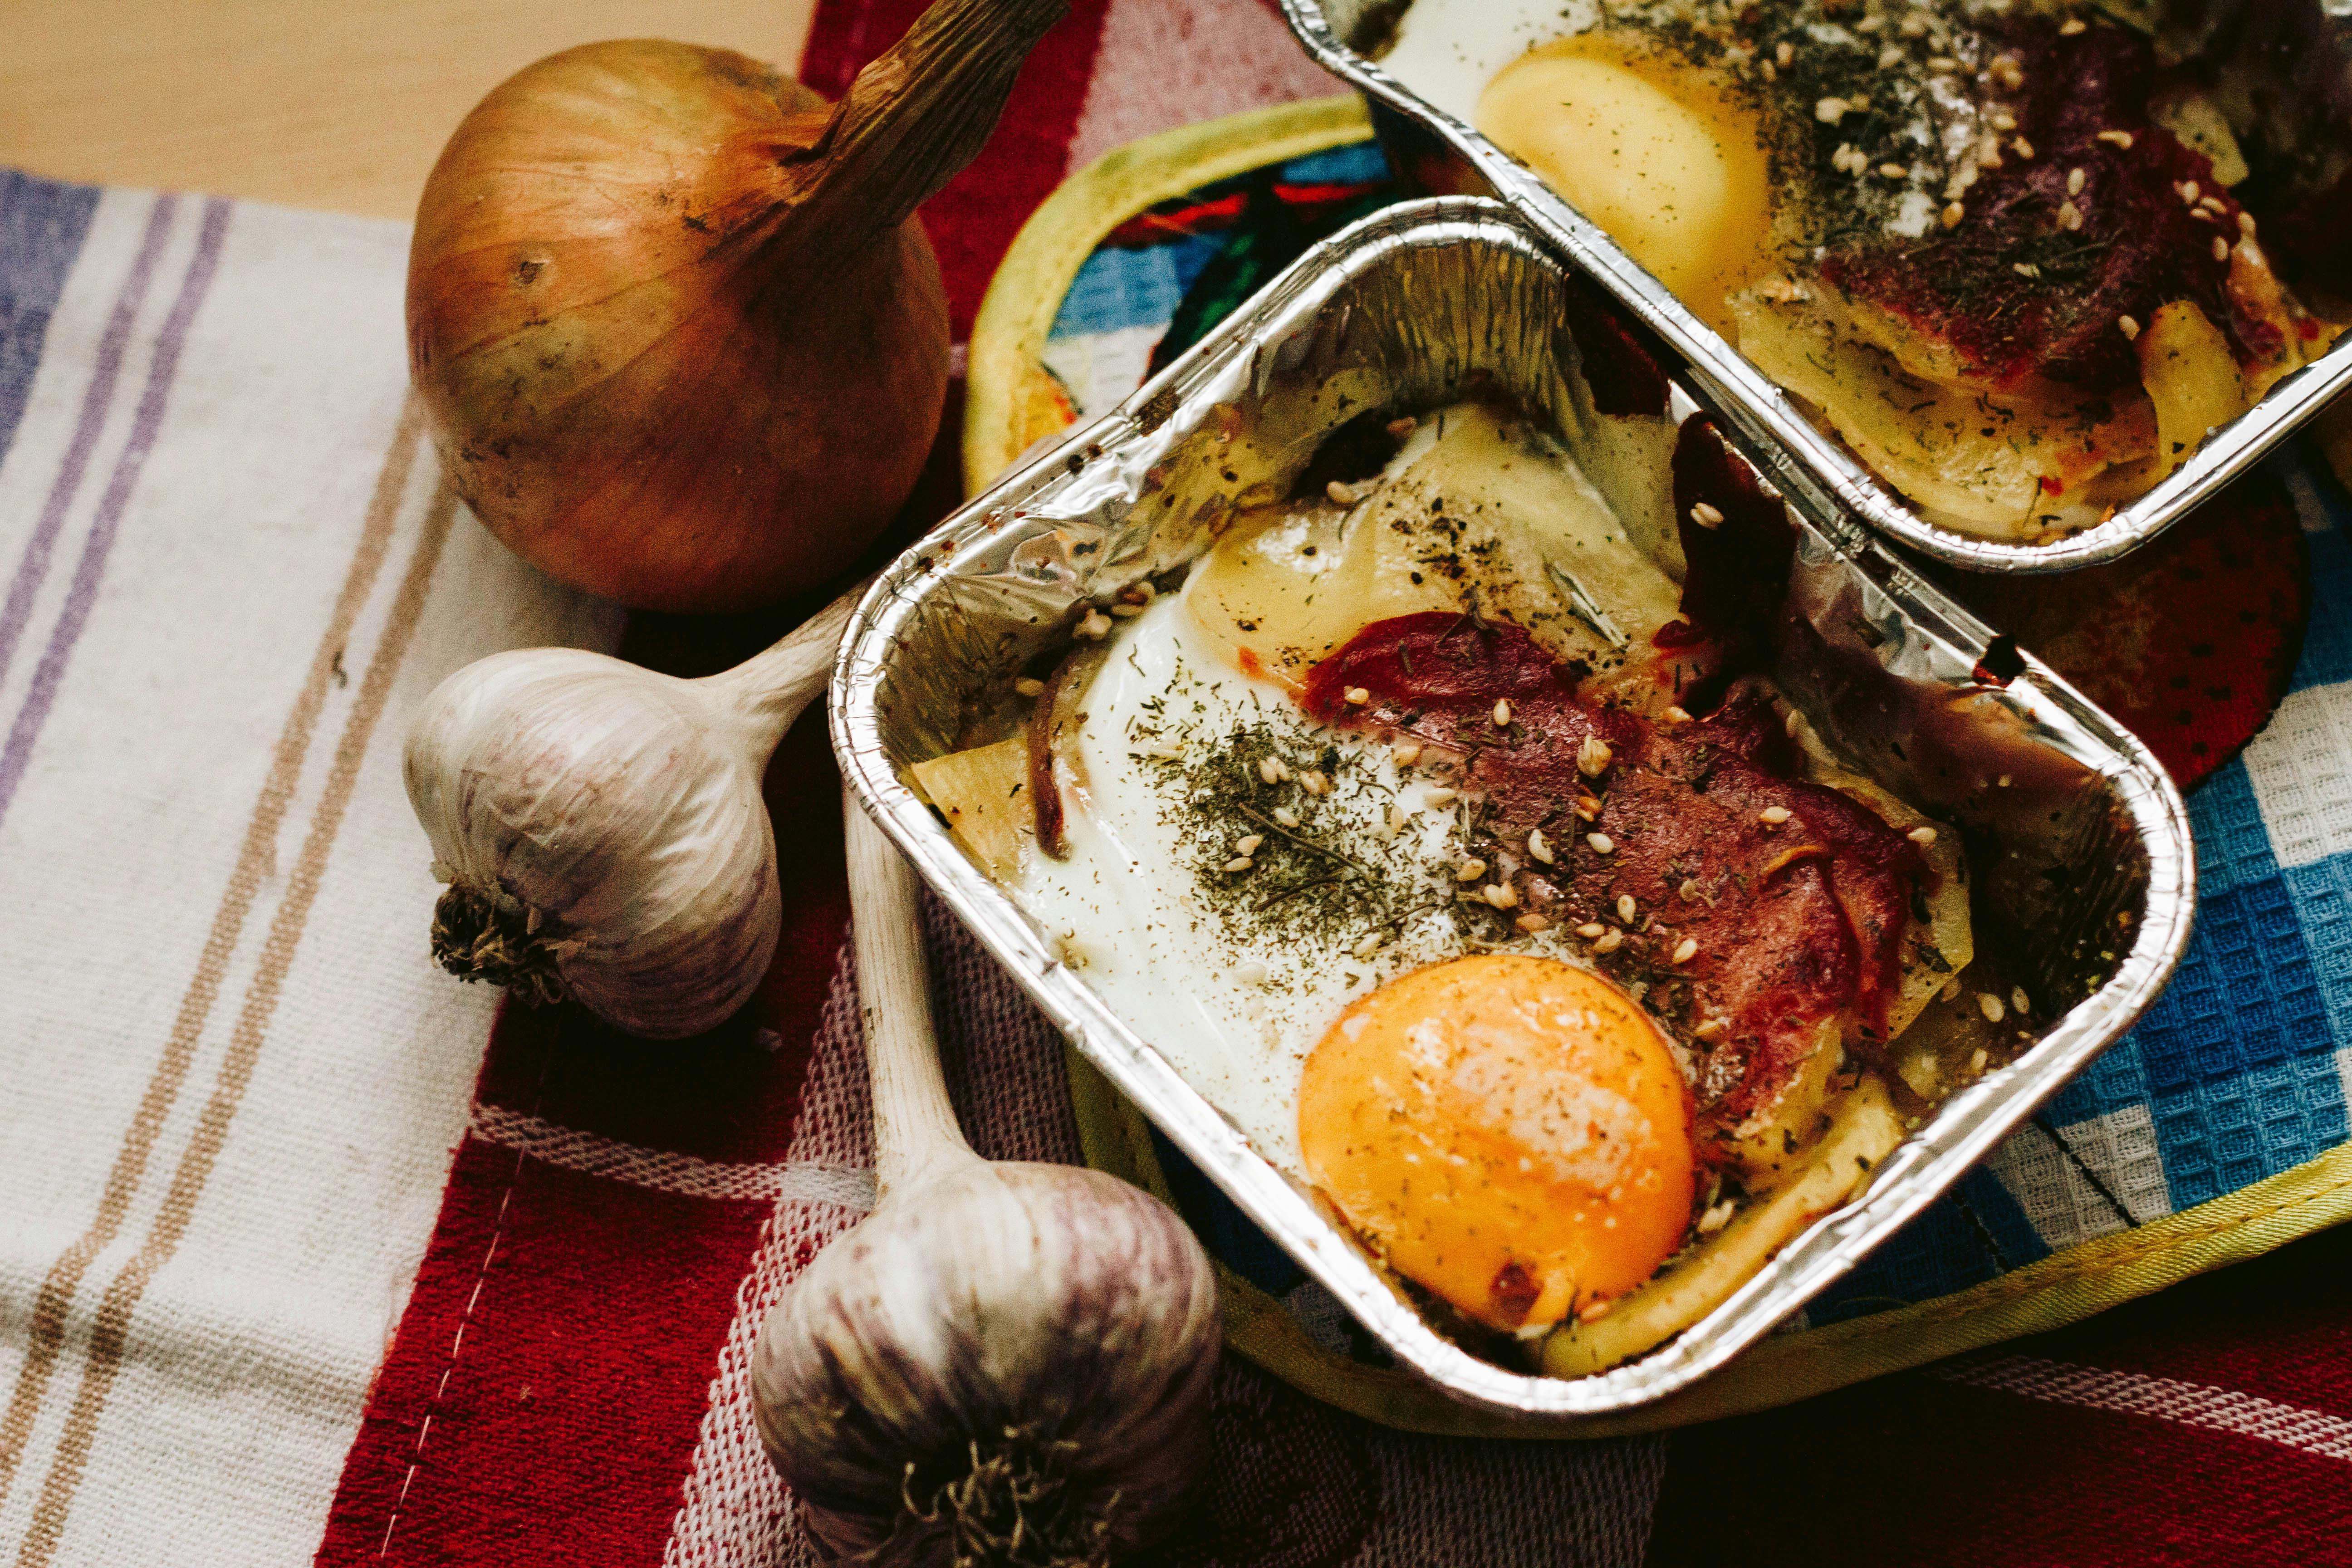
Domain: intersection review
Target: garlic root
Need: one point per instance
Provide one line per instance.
(601, 826)
(1003, 1363)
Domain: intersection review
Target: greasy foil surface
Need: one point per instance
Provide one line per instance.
(1441, 153)
(1407, 309)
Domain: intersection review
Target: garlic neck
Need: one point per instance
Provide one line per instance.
(916, 1139)
(767, 692)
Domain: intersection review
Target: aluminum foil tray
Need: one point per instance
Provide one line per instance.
(1440, 153)
(2082, 859)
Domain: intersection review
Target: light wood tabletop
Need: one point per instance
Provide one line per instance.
(340, 104)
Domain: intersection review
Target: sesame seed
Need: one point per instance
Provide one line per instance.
(2130, 329)
(1166, 751)
(1469, 870)
(1707, 516)
(1685, 950)
(2246, 224)
(1688, 892)
(2023, 147)
(1598, 1309)
(1942, 63)
(1592, 757)
(1404, 753)
(2220, 248)
(1785, 55)
(2006, 74)
(1953, 213)
(1398, 819)
(1341, 494)
(1625, 907)
(1678, 714)
(1889, 58)
(2188, 191)
(2069, 217)
(1532, 923)
(1830, 111)
(1708, 1029)
(1502, 895)
(2122, 139)
(1715, 1218)
(1587, 806)
(1248, 845)
(1914, 25)
(1922, 835)
(1239, 863)
(1977, 1062)
(1127, 609)
(1357, 696)
(2002, 782)
(1401, 428)
(1590, 930)
(1538, 846)
(1764, 69)
(2075, 179)
(1251, 974)
(1990, 1005)
(1312, 781)
(1029, 686)
(2073, 28)
(1369, 946)
(1095, 627)
(1951, 991)
(2021, 1001)
(1287, 817)
(2025, 269)
(1893, 172)
(1269, 770)
(1439, 798)
(1609, 941)
(1773, 816)
(1502, 713)
(1601, 843)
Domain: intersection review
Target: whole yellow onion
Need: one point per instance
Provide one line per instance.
(680, 338)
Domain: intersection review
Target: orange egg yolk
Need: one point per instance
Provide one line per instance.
(1510, 1133)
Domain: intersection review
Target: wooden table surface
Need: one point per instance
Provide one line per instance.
(340, 104)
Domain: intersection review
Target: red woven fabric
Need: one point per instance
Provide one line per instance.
(565, 1385)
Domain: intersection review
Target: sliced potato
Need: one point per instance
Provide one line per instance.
(2191, 377)
(984, 793)
(1980, 460)
(1945, 945)
(1865, 1128)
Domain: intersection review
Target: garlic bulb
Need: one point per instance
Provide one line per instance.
(600, 829)
(1004, 1362)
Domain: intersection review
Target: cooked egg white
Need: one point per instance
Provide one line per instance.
(1473, 508)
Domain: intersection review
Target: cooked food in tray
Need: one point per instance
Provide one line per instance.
(2020, 257)
(1437, 826)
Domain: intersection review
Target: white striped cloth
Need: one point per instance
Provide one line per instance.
(234, 1078)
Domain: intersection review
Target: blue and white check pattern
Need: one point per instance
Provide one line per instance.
(2240, 1069)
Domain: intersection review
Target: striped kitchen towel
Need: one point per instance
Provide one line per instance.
(233, 1076)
